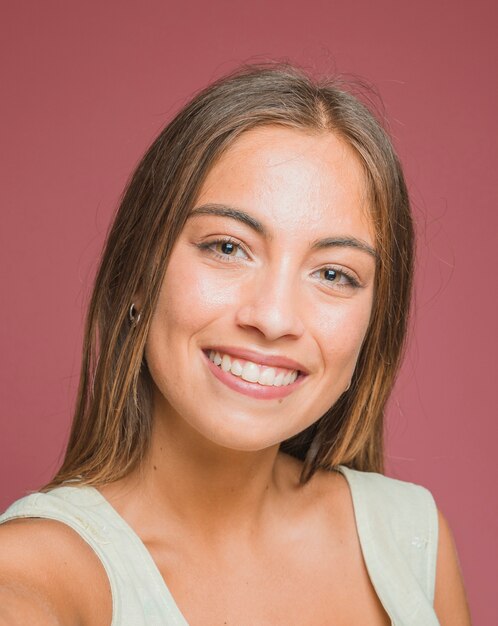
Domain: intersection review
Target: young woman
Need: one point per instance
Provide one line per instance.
(245, 330)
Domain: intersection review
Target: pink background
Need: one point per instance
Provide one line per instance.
(85, 88)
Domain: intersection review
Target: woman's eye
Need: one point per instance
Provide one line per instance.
(337, 277)
(225, 249)
(229, 250)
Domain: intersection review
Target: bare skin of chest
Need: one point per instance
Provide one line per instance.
(275, 593)
(318, 579)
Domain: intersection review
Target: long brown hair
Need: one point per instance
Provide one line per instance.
(111, 429)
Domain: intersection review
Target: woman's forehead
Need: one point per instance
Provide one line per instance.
(289, 178)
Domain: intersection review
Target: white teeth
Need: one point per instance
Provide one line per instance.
(236, 368)
(267, 377)
(252, 372)
(226, 363)
(287, 379)
(279, 379)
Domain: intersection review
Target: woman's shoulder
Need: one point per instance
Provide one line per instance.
(39, 549)
(389, 513)
(397, 525)
(394, 495)
(388, 509)
(48, 573)
(59, 501)
(396, 501)
(408, 512)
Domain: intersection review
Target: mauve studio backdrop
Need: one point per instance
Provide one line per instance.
(85, 88)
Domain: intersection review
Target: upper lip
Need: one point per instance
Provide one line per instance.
(272, 360)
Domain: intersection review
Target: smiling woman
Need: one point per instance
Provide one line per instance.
(245, 330)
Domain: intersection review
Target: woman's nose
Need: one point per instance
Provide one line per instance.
(271, 305)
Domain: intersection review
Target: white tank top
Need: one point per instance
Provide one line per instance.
(396, 521)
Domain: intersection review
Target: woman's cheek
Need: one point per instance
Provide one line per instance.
(340, 330)
(201, 282)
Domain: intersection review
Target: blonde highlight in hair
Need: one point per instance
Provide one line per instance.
(112, 425)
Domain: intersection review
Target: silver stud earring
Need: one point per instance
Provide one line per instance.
(133, 315)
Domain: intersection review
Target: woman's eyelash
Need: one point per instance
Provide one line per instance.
(209, 245)
(352, 281)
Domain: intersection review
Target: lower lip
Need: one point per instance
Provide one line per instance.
(255, 390)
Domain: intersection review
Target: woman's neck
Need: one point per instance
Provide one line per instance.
(213, 493)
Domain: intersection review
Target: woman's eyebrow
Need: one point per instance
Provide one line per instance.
(348, 242)
(223, 210)
(227, 211)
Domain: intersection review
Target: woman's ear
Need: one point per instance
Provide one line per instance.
(135, 310)
(134, 314)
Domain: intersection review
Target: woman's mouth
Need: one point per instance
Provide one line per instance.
(253, 379)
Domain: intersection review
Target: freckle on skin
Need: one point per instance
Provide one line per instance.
(155, 467)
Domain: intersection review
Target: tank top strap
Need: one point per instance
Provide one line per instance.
(397, 525)
(140, 596)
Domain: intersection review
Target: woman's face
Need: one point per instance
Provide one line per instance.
(272, 278)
